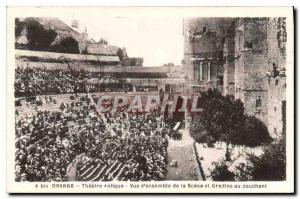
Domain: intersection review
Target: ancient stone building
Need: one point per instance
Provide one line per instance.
(259, 69)
(203, 52)
(277, 77)
(242, 57)
(251, 65)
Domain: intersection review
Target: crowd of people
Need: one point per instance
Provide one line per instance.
(31, 81)
(118, 145)
(40, 81)
(134, 159)
(136, 151)
(48, 142)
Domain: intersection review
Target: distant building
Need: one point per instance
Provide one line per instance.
(101, 49)
(132, 61)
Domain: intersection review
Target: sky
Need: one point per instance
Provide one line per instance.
(158, 40)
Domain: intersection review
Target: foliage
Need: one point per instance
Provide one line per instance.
(223, 119)
(221, 172)
(120, 54)
(67, 45)
(221, 115)
(244, 171)
(271, 165)
(199, 133)
(252, 133)
(41, 38)
(38, 37)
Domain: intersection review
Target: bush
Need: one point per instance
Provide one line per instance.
(252, 133)
(244, 171)
(223, 119)
(67, 45)
(221, 172)
(270, 166)
(220, 119)
(199, 133)
(39, 38)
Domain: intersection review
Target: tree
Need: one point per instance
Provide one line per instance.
(199, 133)
(122, 53)
(67, 45)
(221, 172)
(39, 38)
(223, 119)
(222, 116)
(252, 133)
(18, 27)
(270, 166)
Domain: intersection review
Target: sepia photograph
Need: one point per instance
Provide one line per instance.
(125, 99)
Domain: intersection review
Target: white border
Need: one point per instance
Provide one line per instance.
(76, 2)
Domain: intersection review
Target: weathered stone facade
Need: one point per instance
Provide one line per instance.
(251, 65)
(242, 57)
(204, 40)
(277, 77)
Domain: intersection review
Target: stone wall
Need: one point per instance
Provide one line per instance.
(276, 106)
(229, 65)
(251, 66)
(203, 45)
(250, 55)
(277, 79)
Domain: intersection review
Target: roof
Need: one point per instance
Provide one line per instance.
(137, 69)
(63, 56)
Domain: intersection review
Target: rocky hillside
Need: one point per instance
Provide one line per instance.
(47, 34)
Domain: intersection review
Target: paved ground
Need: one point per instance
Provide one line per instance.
(209, 155)
(72, 169)
(183, 151)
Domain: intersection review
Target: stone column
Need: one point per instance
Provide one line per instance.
(208, 71)
(200, 71)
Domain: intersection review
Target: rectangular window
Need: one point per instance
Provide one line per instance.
(200, 71)
(258, 102)
(248, 44)
(221, 80)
